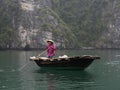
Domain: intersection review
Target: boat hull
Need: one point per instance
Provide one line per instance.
(74, 62)
(80, 64)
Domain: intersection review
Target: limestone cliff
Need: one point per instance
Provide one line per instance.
(111, 37)
(95, 23)
(70, 23)
(39, 22)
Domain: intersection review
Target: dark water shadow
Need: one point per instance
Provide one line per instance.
(80, 78)
(64, 71)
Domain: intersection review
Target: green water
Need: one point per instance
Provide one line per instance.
(18, 73)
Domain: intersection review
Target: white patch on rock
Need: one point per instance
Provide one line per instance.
(48, 36)
(23, 35)
(27, 6)
(34, 32)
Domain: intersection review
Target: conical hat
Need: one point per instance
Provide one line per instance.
(50, 41)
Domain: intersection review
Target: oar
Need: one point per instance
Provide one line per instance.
(41, 53)
(23, 66)
(28, 62)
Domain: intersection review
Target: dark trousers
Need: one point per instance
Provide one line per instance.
(50, 56)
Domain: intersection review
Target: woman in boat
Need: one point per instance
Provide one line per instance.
(50, 48)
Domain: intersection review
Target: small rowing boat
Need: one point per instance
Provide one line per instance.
(81, 62)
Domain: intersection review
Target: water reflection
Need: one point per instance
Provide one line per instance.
(102, 74)
(57, 79)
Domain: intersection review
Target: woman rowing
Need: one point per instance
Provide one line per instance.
(50, 48)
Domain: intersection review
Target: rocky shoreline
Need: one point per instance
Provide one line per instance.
(35, 49)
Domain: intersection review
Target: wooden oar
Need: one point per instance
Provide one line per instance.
(28, 62)
(41, 53)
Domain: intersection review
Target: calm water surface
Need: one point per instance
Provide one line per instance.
(18, 73)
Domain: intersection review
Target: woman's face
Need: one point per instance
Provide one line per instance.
(49, 43)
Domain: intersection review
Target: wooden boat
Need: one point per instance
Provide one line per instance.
(81, 62)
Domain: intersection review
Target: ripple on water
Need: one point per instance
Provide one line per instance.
(1, 70)
(114, 63)
(3, 87)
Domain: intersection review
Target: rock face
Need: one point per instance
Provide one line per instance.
(39, 22)
(97, 21)
(29, 23)
(114, 27)
(34, 20)
(111, 37)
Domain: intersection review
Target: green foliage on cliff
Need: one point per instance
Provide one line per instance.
(60, 31)
(87, 19)
(7, 29)
(78, 22)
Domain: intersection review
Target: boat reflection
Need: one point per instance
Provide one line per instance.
(65, 78)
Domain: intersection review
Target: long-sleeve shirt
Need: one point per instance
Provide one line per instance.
(51, 50)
